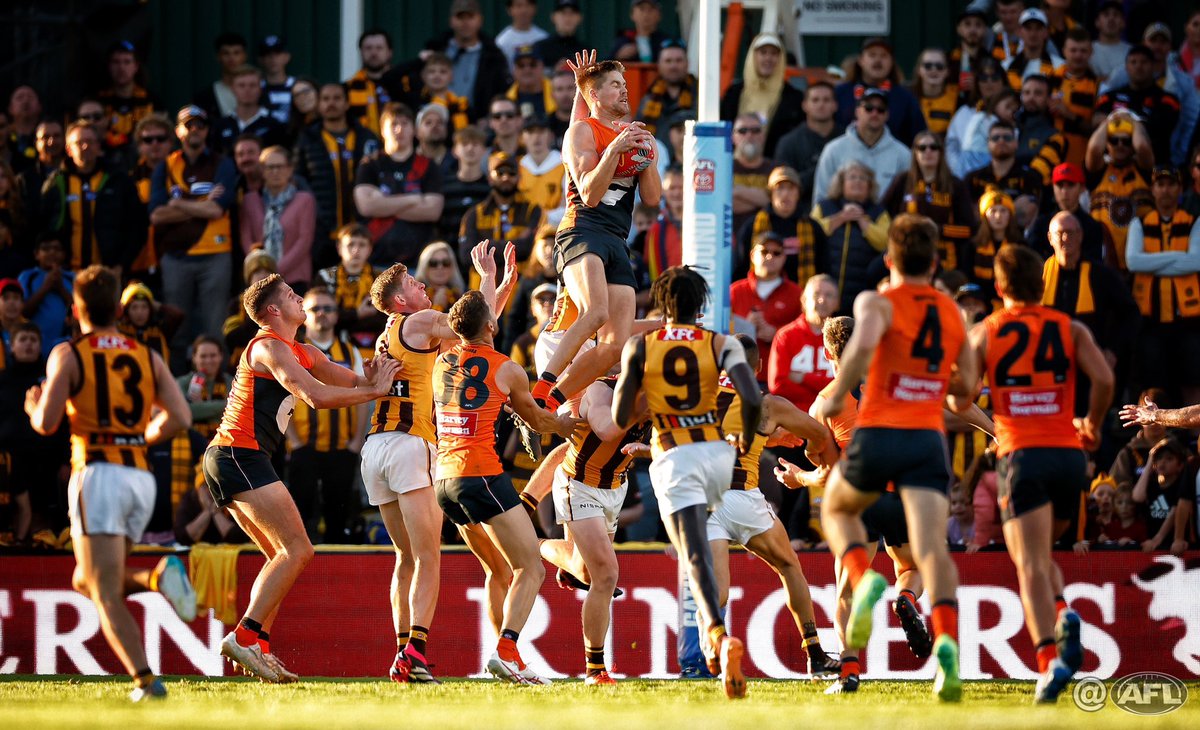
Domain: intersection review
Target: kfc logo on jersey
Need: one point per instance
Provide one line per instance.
(111, 342)
(704, 177)
(1166, 581)
(678, 334)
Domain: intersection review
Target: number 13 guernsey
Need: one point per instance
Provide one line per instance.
(910, 371)
(614, 214)
(468, 406)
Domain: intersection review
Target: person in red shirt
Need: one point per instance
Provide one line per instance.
(798, 367)
(764, 297)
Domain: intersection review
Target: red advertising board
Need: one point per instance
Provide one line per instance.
(1140, 614)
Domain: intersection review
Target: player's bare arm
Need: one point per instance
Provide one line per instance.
(330, 373)
(629, 385)
(732, 360)
(596, 408)
(872, 317)
(959, 402)
(1148, 413)
(579, 107)
(174, 415)
(277, 359)
(964, 379)
(1090, 360)
(46, 403)
(514, 382)
(593, 172)
(650, 184)
(781, 412)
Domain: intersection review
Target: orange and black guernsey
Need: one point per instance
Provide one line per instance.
(110, 407)
(408, 407)
(259, 408)
(468, 403)
(729, 410)
(614, 214)
(910, 370)
(1031, 370)
(843, 424)
(596, 463)
(680, 381)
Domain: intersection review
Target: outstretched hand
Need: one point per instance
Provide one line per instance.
(510, 263)
(583, 60)
(380, 372)
(483, 258)
(1143, 415)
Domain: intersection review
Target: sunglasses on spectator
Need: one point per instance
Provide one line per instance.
(875, 108)
(1001, 138)
(1122, 141)
(748, 130)
(771, 253)
(153, 139)
(933, 66)
(928, 147)
(503, 115)
(440, 264)
(322, 309)
(196, 124)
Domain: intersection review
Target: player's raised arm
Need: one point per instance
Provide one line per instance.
(583, 59)
(275, 357)
(629, 384)
(513, 379)
(960, 398)
(174, 414)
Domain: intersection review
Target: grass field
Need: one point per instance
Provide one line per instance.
(61, 702)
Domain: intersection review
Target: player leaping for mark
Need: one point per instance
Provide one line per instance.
(678, 366)
(109, 385)
(908, 342)
(606, 159)
(399, 455)
(1031, 353)
(273, 372)
(472, 383)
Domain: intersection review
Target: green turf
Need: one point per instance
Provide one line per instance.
(238, 704)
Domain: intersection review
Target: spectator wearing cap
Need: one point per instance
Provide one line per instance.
(764, 90)
(751, 169)
(531, 89)
(94, 211)
(541, 306)
(1119, 161)
(217, 100)
(249, 117)
(502, 216)
(435, 89)
(43, 294)
(366, 90)
(855, 228)
(562, 43)
(468, 184)
(399, 192)
(803, 240)
(328, 155)
(643, 42)
(125, 101)
(504, 121)
(673, 89)
(997, 228)
(973, 303)
(480, 67)
(1068, 185)
(875, 68)
(1163, 254)
(1091, 292)
(1139, 93)
(281, 219)
(1108, 52)
(869, 141)
(1189, 50)
(433, 136)
(661, 245)
(273, 58)
(930, 190)
(765, 298)
(800, 149)
(191, 193)
(522, 31)
(562, 89)
(542, 170)
(1035, 56)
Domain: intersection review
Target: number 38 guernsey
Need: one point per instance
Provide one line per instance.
(110, 409)
(681, 386)
(468, 406)
(910, 371)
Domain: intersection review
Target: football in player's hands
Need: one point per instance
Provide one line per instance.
(634, 161)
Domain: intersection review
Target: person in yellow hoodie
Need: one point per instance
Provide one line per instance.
(542, 169)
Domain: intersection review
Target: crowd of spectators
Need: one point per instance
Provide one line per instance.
(1032, 127)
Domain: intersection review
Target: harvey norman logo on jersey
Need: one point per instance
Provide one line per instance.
(1139, 613)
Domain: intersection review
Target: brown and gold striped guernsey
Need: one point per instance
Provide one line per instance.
(408, 408)
(729, 409)
(110, 408)
(681, 386)
(596, 463)
(327, 429)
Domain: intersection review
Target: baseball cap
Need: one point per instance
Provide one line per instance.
(500, 160)
(766, 237)
(136, 290)
(783, 174)
(970, 291)
(190, 112)
(1067, 172)
(993, 198)
(971, 12)
(566, 5)
(535, 122)
(258, 260)
(1031, 15)
(543, 289)
(7, 285)
(1156, 29)
(525, 51)
(272, 44)
(872, 92)
(765, 39)
(1119, 126)
(1166, 171)
(471, 7)
(878, 41)
(122, 46)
